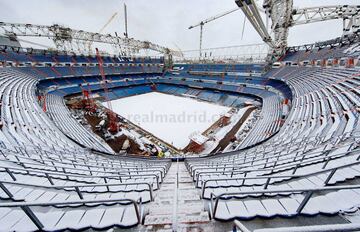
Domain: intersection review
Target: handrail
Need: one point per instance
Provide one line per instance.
(88, 165)
(37, 149)
(268, 178)
(308, 194)
(87, 170)
(76, 187)
(47, 175)
(25, 206)
(314, 228)
(62, 152)
(240, 226)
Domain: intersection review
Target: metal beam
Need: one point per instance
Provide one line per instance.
(251, 12)
(67, 39)
(349, 13)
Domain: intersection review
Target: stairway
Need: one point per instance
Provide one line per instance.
(177, 205)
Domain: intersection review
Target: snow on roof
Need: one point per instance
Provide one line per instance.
(199, 139)
(249, 103)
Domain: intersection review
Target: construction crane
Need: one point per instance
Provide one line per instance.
(113, 125)
(126, 22)
(202, 23)
(108, 22)
(103, 28)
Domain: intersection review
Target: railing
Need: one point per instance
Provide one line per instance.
(128, 170)
(49, 177)
(308, 192)
(239, 227)
(60, 154)
(25, 206)
(77, 188)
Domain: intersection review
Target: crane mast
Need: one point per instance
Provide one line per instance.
(202, 23)
(126, 21)
(113, 127)
(280, 13)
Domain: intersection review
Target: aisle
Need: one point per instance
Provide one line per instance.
(177, 205)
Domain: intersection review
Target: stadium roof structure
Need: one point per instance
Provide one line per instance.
(67, 39)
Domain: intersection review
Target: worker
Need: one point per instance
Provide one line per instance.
(160, 154)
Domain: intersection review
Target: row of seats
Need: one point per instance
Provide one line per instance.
(60, 72)
(23, 121)
(38, 56)
(60, 114)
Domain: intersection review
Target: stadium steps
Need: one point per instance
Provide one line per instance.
(177, 204)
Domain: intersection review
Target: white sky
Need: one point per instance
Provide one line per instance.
(163, 21)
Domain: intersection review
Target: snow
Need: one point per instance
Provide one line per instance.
(221, 132)
(199, 138)
(171, 118)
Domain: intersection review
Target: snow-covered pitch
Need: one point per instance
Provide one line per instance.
(170, 118)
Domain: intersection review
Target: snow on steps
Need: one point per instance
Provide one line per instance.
(177, 202)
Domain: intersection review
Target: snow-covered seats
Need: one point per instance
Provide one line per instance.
(302, 201)
(62, 117)
(317, 146)
(48, 182)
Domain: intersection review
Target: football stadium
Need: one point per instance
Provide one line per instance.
(232, 115)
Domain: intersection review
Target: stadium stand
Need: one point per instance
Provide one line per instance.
(301, 157)
(310, 166)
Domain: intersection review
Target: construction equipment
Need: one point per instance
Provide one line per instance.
(87, 101)
(108, 22)
(113, 124)
(103, 28)
(350, 14)
(253, 15)
(202, 23)
(71, 40)
(126, 22)
(284, 16)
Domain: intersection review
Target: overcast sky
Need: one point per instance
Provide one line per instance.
(163, 21)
